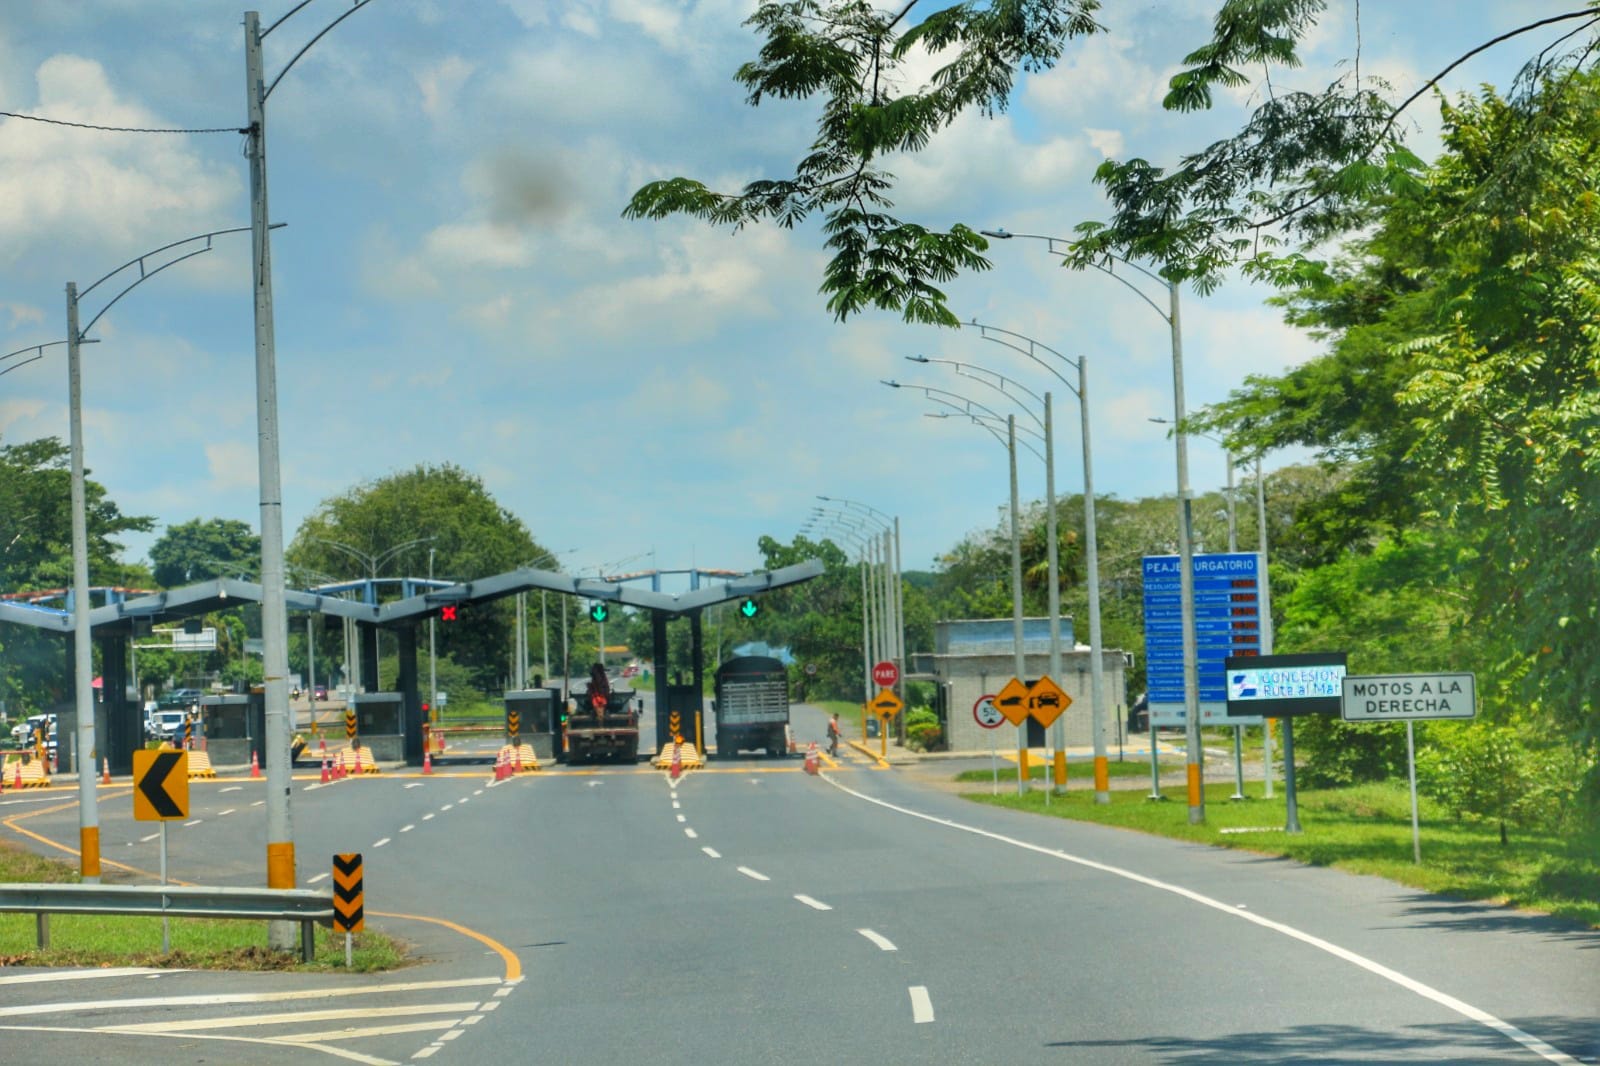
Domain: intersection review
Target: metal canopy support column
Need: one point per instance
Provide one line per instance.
(123, 730)
(658, 653)
(697, 657)
(369, 656)
(410, 701)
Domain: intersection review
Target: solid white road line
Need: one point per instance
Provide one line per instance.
(754, 875)
(713, 852)
(883, 942)
(921, 1005)
(287, 1017)
(81, 975)
(814, 904)
(223, 998)
(1443, 999)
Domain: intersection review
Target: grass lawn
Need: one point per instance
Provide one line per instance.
(135, 940)
(1078, 771)
(1364, 829)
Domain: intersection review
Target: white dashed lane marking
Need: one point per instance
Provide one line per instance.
(754, 875)
(883, 942)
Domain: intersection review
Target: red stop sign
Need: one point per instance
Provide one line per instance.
(885, 674)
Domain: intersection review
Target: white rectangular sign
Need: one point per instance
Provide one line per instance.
(1408, 697)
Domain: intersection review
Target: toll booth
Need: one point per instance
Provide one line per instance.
(686, 701)
(234, 727)
(381, 725)
(538, 722)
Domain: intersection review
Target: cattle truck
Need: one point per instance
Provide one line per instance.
(603, 723)
(751, 706)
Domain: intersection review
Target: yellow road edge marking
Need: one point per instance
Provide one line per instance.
(513, 964)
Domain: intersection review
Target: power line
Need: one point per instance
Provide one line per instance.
(118, 129)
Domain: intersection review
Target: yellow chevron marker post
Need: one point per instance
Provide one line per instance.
(349, 905)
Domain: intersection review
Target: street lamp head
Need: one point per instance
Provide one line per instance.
(917, 358)
(891, 384)
(998, 234)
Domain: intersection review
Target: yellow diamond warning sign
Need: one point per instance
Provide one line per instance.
(886, 704)
(1046, 701)
(1012, 701)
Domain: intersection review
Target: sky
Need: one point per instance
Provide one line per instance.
(455, 283)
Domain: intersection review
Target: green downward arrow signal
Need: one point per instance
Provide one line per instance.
(749, 608)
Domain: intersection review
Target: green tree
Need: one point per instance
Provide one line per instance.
(202, 549)
(1483, 367)
(36, 555)
(395, 522)
(1304, 167)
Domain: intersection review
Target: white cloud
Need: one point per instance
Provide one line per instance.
(1108, 143)
(440, 83)
(116, 189)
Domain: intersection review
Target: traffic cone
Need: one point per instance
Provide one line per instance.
(324, 768)
(677, 761)
(55, 766)
(811, 758)
(518, 750)
(255, 767)
(105, 777)
(427, 762)
(17, 784)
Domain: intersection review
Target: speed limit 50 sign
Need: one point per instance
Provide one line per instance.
(986, 713)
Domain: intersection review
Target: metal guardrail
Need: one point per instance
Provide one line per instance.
(306, 906)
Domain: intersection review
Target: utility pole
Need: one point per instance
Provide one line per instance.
(274, 611)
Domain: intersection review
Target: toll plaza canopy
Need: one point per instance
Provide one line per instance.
(125, 613)
(419, 598)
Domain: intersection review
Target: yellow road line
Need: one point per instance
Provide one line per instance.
(513, 964)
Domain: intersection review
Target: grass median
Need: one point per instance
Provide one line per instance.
(135, 940)
(1364, 829)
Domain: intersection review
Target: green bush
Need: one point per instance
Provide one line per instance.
(1331, 753)
(923, 732)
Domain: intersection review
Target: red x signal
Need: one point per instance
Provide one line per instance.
(447, 614)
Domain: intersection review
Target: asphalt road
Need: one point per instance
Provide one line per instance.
(751, 913)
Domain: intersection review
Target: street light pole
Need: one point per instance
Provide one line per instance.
(82, 652)
(433, 654)
(1194, 759)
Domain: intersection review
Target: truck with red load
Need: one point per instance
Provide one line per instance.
(603, 723)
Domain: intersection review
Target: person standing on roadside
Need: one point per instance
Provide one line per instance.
(833, 735)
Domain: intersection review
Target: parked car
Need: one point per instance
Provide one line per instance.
(22, 733)
(165, 725)
(179, 699)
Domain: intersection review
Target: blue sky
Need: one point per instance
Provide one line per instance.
(456, 284)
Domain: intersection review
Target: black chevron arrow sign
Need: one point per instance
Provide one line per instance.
(349, 911)
(161, 778)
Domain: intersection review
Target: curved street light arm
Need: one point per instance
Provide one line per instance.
(1070, 387)
(962, 368)
(24, 363)
(360, 556)
(398, 548)
(986, 423)
(139, 260)
(359, 4)
(855, 503)
(1050, 246)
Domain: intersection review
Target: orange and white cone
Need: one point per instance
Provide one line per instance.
(105, 777)
(255, 767)
(324, 768)
(17, 784)
(427, 762)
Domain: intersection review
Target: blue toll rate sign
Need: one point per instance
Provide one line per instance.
(1228, 598)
